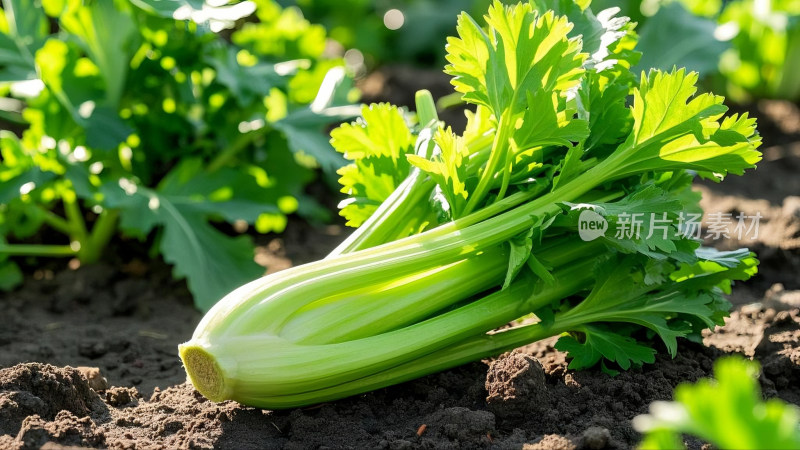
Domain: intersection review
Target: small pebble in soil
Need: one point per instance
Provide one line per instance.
(92, 374)
(551, 442)
(595, 438)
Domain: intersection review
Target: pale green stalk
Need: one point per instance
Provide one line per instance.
(233, 368)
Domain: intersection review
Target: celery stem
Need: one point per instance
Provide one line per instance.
(75, 218)
(496, 157)
(383, 359)
(56, 222)
(36, 250)
(101, 234)
(426, 108)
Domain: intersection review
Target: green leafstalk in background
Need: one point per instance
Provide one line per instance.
(461, 235)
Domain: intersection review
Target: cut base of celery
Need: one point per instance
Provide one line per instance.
(204, 372)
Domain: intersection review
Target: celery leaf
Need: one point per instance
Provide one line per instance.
(377, 145)
(625, 293)
(447, 166)
(602, 343)
(523, 52)
(673, 129)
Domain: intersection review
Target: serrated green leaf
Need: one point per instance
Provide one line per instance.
(645, 221)
(600, 33)
(679, 303)
(673, 130)
(519, 252)
(479, 123)
(707, 273)
(570, 167)
(547, 121)
(523, 52)
(729, 258)
(448, 167)
(213, 263)
(664, 101)
(230, 193)
(602, 343)
(603, 104)
(377, 144)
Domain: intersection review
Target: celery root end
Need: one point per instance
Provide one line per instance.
(204, 371)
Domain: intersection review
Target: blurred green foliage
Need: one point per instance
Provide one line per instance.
(765, 56)
(365, 25)
(727, 412)
(155, 119)
(746, 49)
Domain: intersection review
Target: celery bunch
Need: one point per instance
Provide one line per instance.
(461, 234)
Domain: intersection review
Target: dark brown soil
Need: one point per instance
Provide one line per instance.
(119, 325)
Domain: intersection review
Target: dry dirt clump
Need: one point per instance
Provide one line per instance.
(516, 386)
(45, 391)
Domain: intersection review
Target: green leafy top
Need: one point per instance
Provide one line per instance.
(521, 70)
(448, 168)
(522, 52)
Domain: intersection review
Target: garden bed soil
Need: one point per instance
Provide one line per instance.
(88, 355)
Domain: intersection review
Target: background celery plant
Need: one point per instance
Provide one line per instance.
(139, 118)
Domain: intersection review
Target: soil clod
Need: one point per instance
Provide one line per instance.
(516, 385)
(43, 390)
